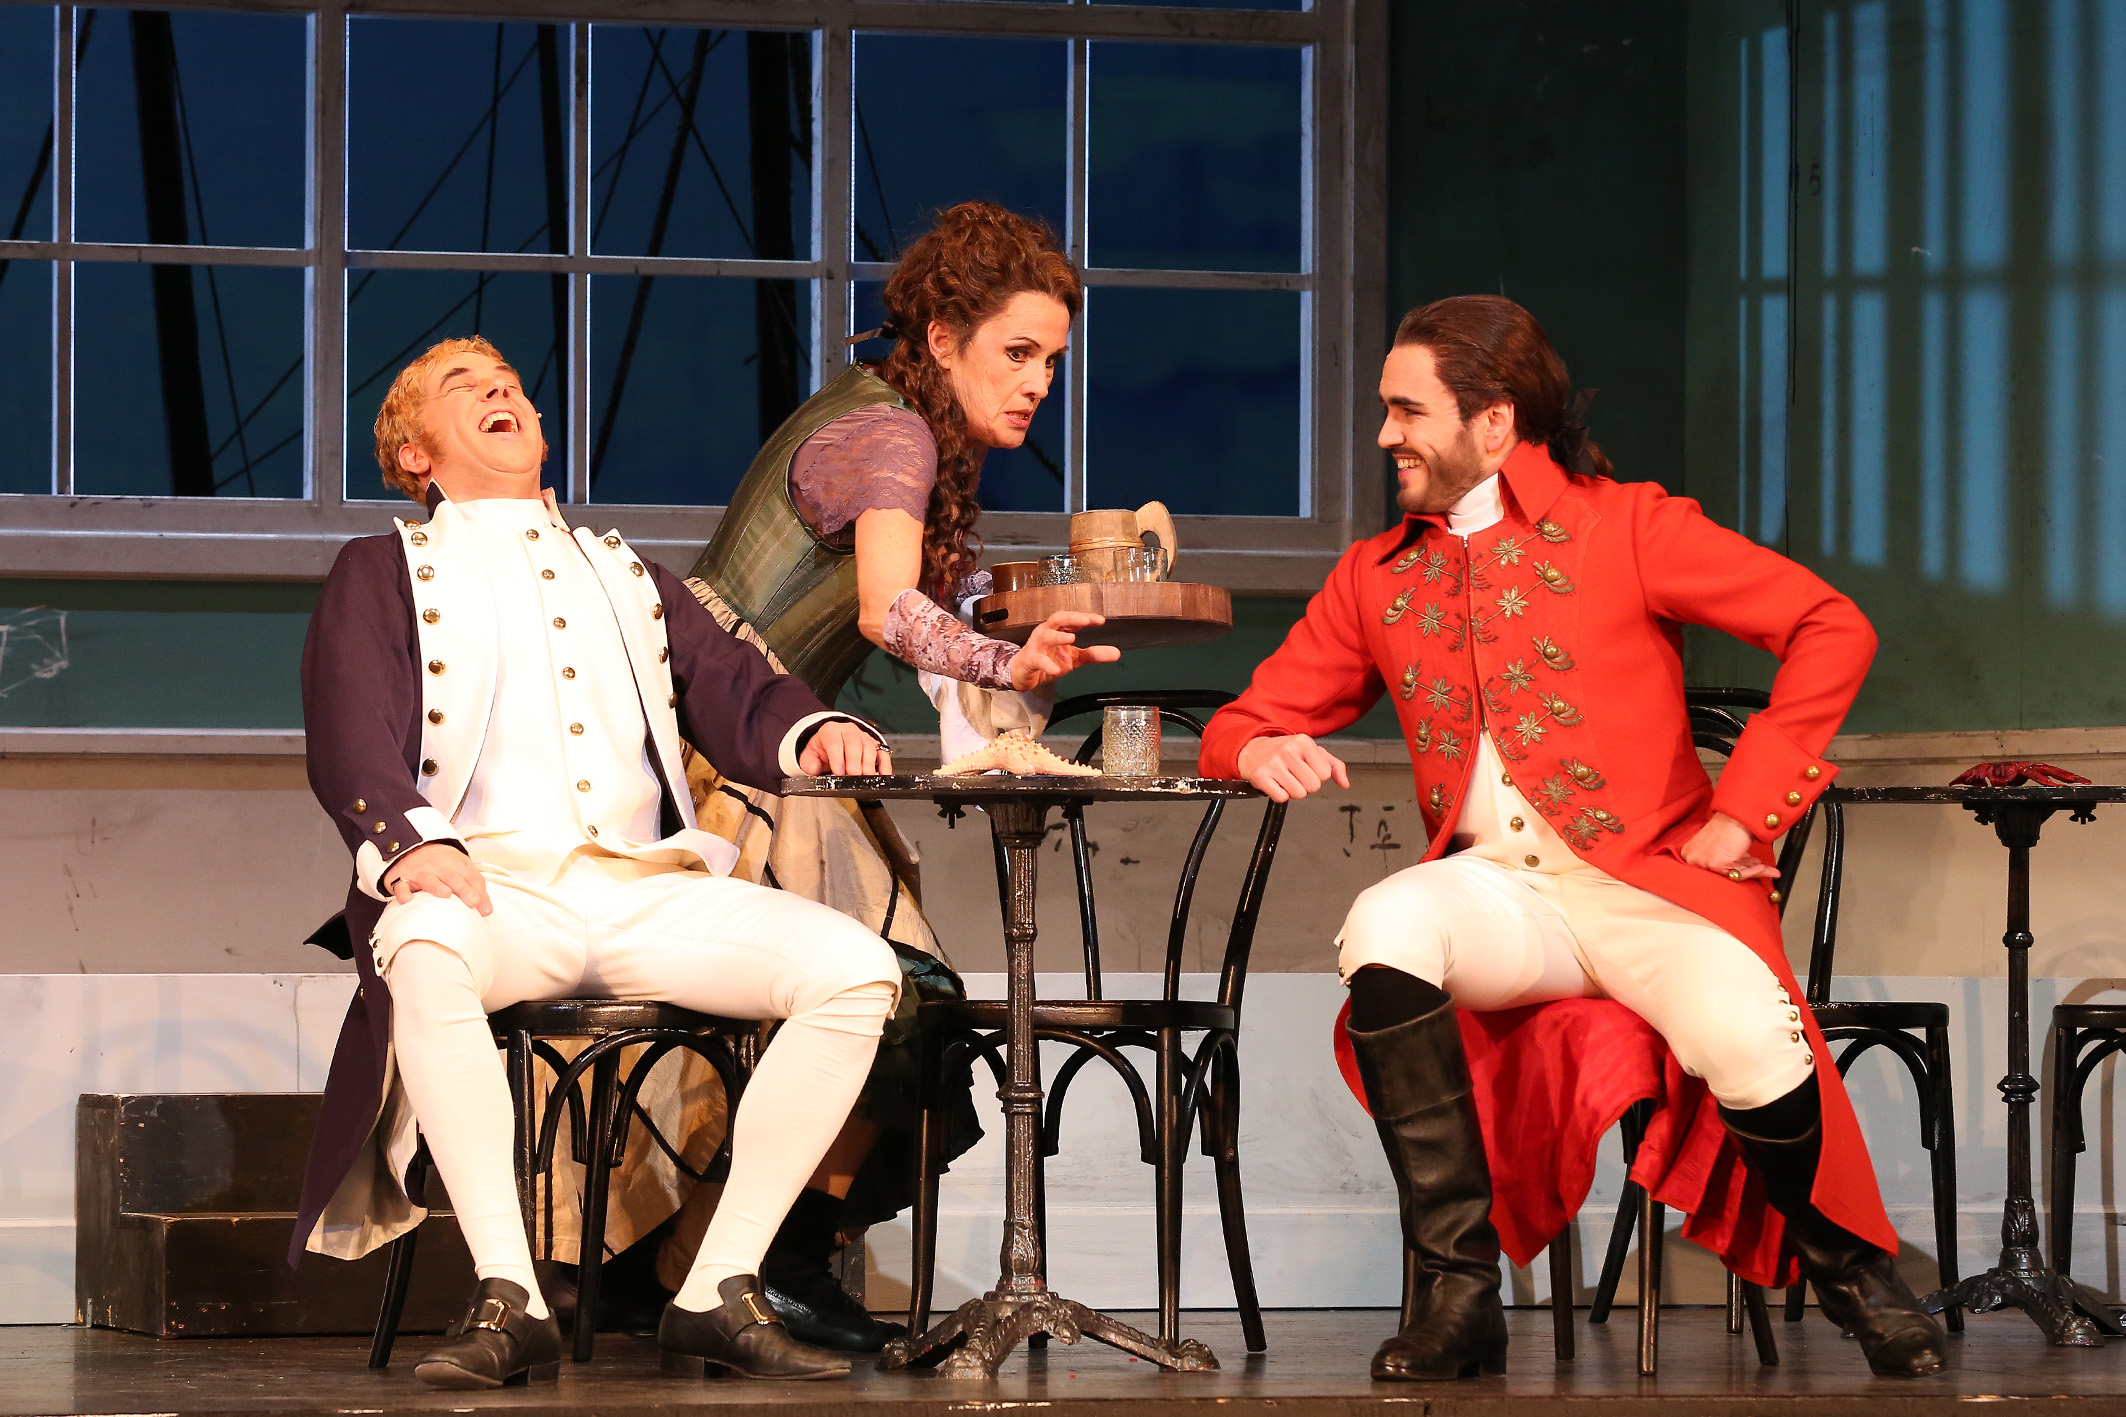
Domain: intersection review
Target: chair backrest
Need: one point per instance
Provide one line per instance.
(1184, 708)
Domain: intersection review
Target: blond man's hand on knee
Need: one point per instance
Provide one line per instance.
(439, 869)
(1290, 766)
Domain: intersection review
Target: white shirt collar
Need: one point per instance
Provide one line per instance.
(1481, 506)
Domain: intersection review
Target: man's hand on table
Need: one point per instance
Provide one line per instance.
(1290, 766)
(841, 749)
(1723, 845)
(439, 869)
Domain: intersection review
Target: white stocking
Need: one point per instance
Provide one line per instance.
(460, 1094)
(794, 1106)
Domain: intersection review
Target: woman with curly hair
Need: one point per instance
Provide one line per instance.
(853, 530)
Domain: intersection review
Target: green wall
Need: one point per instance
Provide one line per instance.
(1536, 151)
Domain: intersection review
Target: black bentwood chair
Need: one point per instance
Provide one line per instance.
(598, 1133)
(2083, 1036)
(1716, 723)
(1187, 1087)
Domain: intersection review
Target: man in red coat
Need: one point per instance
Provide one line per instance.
(1585, 880)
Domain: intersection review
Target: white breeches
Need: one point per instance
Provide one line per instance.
(624, 930)
(1497, 938)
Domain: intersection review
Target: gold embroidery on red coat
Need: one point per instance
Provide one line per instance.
(1421, 737)
(1587, 826)
(1586, 776)
(1510, 550)
(1398, 608)
(1409, 685)
(1449, 746)
(1551, 531)
(1495, 703)
(1517, 676)
(1513, 602)
(1553, 578)
(1431, 618)
(1435, 565)
(1561, 712)
(1408, 559)
(1438, 800)
(1556, 792)
(1443, 695)
(1552, 655)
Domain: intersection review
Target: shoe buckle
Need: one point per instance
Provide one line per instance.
(760, 1312)
(492, 1313)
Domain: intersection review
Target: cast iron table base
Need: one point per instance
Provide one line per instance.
(2071, 1315)
(976, 1338)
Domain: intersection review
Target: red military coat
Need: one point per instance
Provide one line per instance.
(1560, 631)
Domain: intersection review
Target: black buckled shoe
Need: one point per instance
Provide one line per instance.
(742, 1335)
(818, 1311)
(496, 1344)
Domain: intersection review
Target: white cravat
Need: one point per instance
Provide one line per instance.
(565, 766)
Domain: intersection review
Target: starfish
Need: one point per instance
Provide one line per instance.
(1019, 754)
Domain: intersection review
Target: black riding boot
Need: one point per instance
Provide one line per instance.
(798, 1276)
(1856, 1282)
(1417, 1084)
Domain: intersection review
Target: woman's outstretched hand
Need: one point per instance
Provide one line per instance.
(1052, 650)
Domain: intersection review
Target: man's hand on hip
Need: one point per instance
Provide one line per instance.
(439, 869)
(1723, 845)
(1290, 766)
(842, 749)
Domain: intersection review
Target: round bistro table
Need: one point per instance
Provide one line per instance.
(977, 1337)
(2070, 1315)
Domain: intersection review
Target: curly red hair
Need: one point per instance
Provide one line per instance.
(958, 274)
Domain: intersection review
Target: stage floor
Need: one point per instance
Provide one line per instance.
(1316, 1367)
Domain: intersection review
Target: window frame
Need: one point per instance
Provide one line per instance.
(1342, 280)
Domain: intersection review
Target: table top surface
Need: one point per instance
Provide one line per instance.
(981, 787)
(1955, 796)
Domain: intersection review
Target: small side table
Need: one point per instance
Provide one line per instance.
(976, 1338)
(2071, 1315)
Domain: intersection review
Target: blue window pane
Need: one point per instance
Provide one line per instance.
(1194, 399)
(942, 121)
(1028, 478)
(189, 127)
(480, 161)
(702, 143)
(688, 378)
(188, 381)
(25, 376)
(26, 121)
(1196, 157)
(392, 316)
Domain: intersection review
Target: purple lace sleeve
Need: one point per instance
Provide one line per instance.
(926, 635)
(880, 458)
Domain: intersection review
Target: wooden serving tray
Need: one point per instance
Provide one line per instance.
(1140, 614)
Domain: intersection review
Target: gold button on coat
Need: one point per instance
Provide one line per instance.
(1793, 799)
(1813, 773)
(1771, 819)
(594, 831)
(636, 567)
(663, 655)
(430, 616)
(1533, 860)
(671, 701)
(429, 767)
(531, 534)
(559, 623)
(361, 804)
(575, 728)
(435, 666)
(583, 784)
(1517, 824)
(1507, 778)
(435, 715)
(426, 573)
(419, 538)
(380, 828)
(546, 575)
(657, 612)
(613, 542)
(568, 673)
(393, 847)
